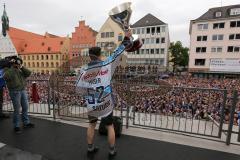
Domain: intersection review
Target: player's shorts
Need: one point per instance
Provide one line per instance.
(106, 120)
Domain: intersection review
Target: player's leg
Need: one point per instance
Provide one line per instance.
(111, 134)
(90, 135)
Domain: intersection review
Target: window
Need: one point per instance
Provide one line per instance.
(162, 50)
(201, 49)
(157, 51)
(231, 36)
(216, 49)
(143, 41)
(158, 29)
(233, 48)
(120, 37)
(235, 11)
(202, 26)
(234, 36)
(142, 51)
(147, 40)
(148, 30)
(201, 38)
(111, 34)
(237, 36)
(235, 24)
(152, 40)
(52, 64)
(103, 35)
(153, 30)
(217, 37)
(51, 57)
(147, 51)
(157, 41)
(200, 62)
(152, 51)
(33, 58)
(138, 31)
(28, 57)
(46, 57)
(107, 34)
(56, 57)
(163, 40)
(218, 14)
(161, 62)
(143, 30)
(163, 28)
(218, 25)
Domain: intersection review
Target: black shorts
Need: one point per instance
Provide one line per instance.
(106, 120)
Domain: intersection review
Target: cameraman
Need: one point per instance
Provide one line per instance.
(15, 77)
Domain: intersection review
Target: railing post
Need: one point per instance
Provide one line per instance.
(54, 100)
(58, 97)
(234, 103)
(49, 98)
(222, 113)
(127, 117)
(239, 132)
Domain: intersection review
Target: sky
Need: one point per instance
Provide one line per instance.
(61, 16)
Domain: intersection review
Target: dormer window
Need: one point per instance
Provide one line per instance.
(235, 11)
(61, 43)
(218, 14)
(49, 48)
(43, 43)
(25, 45)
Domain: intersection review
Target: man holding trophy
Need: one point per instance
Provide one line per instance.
(95, 78)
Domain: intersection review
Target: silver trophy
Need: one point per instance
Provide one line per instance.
(121, 15)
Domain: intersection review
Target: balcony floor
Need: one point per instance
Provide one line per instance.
(58, 141)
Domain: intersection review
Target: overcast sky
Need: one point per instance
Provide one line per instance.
(61, 16)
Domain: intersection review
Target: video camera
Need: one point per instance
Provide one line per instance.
(9, 61)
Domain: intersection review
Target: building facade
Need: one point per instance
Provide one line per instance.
(6, 47)
(215, 42)
(40, 53)
(109, 37)
(155, 37)
(83, 38)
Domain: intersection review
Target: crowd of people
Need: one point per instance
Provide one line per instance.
(176, 101)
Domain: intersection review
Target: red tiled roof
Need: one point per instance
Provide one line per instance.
(30, 43)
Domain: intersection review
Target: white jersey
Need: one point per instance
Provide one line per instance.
(95, 79)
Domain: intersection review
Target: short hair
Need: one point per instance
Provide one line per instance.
(96, 51)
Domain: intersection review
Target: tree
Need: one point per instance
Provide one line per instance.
(179, 55)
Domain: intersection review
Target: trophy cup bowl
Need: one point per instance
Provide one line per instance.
(121, 15)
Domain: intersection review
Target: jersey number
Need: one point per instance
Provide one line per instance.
(98, 93)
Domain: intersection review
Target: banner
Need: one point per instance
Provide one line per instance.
(226, 65)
